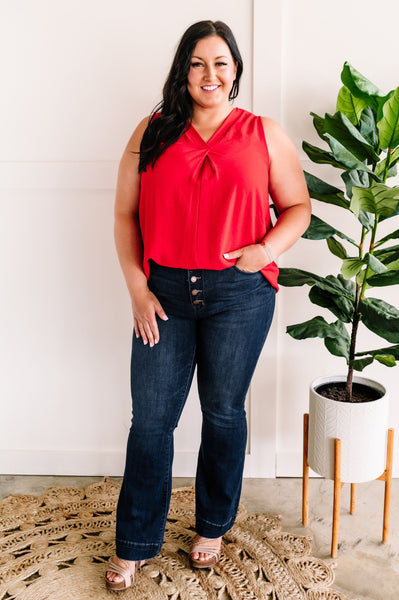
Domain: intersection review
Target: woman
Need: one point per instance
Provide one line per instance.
(198, 252)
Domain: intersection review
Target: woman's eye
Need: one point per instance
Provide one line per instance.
(196, 64)
(221, 64)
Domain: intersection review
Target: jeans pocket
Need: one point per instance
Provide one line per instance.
(244, 272)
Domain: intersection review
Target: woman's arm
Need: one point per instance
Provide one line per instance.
(129, 243)
(288, 190)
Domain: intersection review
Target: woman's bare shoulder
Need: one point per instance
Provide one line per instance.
(134, 142)
(276, 137)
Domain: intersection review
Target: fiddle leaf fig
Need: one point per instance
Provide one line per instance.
(336, 248)
(319, 190)
(381, 318)
(320, 230)
(378, 199)
(349, 105)
(363, 136)
(351, 267)
(388, 125)
(360, 86)
(345, 156)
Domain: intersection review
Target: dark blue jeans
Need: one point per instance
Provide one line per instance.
(218, 322)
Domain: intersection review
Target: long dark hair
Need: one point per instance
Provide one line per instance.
(176, 106)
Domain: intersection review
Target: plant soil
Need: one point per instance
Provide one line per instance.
(360, 392)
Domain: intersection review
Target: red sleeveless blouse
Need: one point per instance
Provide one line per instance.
(203, 199)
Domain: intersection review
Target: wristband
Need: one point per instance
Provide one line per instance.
(269, 251)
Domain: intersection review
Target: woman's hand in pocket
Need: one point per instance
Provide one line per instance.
(250, 258)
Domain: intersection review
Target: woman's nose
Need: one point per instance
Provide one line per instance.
(209, 72)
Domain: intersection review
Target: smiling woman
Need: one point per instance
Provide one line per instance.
(197, 248)
(211, 76)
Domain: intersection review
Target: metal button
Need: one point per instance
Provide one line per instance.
(198, 302)
(195, 292)
(194, 278)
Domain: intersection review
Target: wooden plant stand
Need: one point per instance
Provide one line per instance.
(338, 485)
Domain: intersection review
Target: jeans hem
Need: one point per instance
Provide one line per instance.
(135, 551)
(208, 530)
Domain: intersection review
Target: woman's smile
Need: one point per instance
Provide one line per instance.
(212, 72)
(210, 88)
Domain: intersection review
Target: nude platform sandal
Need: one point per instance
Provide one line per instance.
(201, 546)
(128, 576)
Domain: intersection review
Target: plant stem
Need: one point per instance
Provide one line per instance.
(360, 290)
(355, 325)
(387, 164)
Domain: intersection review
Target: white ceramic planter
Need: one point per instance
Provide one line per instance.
(361, 427)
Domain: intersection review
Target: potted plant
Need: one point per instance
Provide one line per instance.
(362, 140)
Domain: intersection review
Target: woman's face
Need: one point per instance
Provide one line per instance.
(212, 73)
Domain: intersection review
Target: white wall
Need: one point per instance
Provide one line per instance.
(76, 78)
(317, 39)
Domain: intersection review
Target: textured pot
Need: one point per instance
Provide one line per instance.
(361, 427)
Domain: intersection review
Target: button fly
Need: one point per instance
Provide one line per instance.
(195, 292)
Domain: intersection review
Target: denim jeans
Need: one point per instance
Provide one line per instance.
(218, 322)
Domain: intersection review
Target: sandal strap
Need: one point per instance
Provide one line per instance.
(125, 572)
(202, 547)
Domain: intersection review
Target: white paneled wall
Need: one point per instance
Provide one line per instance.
(76, 79)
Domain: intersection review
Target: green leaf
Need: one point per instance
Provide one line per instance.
(316, 327)
(338, 286)
(381, 318)
(395, 213)
(368, 127)
(361, 363)
(319, 190)
(320, 230)
(378, 199)
(389, 124)
(338, 346)
(351, 267)
(385, 279)
(318, 123)
(388, 256)
(386, 356)
(366, 219)
(391, 236)
(320, 156)
(336, 248)
(388, 351)
(393, 160)
(349, 105)
(360, 86)
(333, 285)
(341, 307)
(345, 157)
(387, 360)
(289, 277)
(375, 265)
(355, 178)
(341, 129)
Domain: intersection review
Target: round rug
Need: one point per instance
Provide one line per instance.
(55, 547)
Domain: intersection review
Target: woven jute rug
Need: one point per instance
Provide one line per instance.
(55, 547)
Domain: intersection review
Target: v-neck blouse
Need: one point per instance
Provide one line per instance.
(203, 199)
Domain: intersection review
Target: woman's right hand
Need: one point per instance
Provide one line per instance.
(145, 308)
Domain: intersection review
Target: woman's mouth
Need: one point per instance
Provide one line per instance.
(209, 88)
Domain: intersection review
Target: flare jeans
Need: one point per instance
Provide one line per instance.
(217, 322)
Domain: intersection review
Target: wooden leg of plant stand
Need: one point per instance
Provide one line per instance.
(305, 471)
(337, 497)
(353, 499)
(387, 477)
